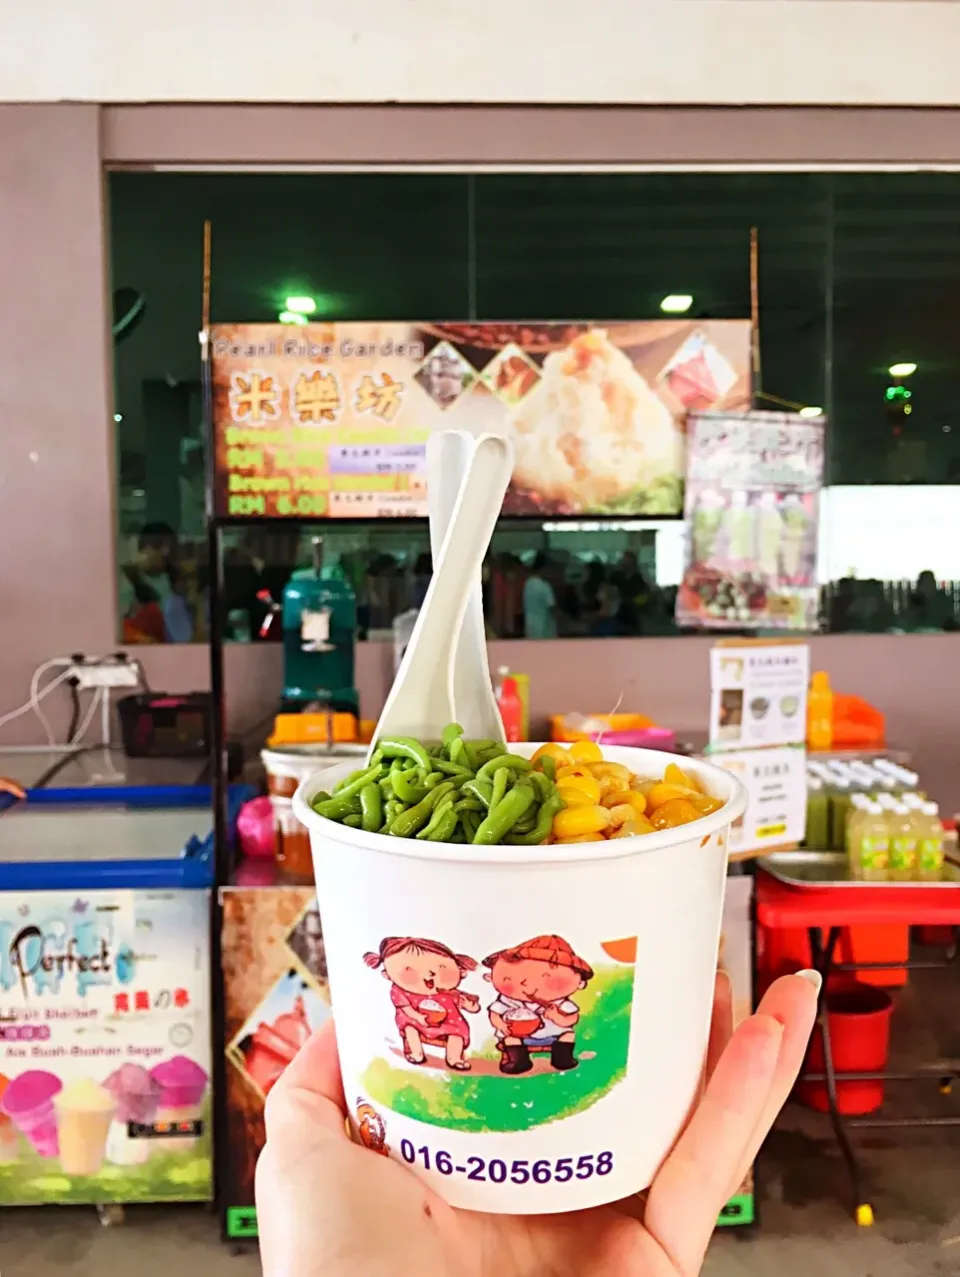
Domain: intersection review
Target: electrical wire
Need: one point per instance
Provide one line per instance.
(36, 695)
(75, 709)
(87, 718)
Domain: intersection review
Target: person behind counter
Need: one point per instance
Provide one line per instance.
(539, 602)
(152, 598)
(255, 573)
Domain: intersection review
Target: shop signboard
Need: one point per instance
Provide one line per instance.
(751, 509)
(275, 996)
(331, 420)
(105, 1051)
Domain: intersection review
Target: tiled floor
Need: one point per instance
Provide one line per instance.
(913, 1177)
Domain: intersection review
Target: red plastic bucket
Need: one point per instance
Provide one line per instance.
(859, 1020)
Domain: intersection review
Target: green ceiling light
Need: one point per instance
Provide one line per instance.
(301, 305)
(905, 369)
(676, 303)
(897, 394)
(291, 317)
(811, 411)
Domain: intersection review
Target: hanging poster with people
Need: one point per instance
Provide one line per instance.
(736, 961)
(751, 510)
(331, 420)
(275, 995)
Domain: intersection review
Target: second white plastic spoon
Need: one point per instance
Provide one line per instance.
(474, 704)
(421, 701)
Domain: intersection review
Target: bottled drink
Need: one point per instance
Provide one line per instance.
(903, 844)
(902, 778)
(930, 845)
(873, 845)
(510, 706)
(818, 814)
(840, 794)
(820, 712)
(859, 807)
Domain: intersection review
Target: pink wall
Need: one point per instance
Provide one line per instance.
(56, 426)
(56, 504)
(906, 676)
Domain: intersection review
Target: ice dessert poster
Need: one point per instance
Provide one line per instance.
(331, 420)
(105, 1051)
(751, 510)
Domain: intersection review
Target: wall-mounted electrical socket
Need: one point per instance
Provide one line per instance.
(106, 672)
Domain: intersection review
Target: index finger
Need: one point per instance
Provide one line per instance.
(310, 1089)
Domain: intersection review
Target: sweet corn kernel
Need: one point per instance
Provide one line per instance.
(612, 769)
(556, 752)
(620, 814)
(573, 797)
(630, 828)
(586, 751)
(636, 801)
(675, 775)
(664, 793)
(610, 785)
(675, 811)
(582, 781)
(580, 820)
(704, 804)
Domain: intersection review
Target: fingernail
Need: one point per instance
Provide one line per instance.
(812, 977)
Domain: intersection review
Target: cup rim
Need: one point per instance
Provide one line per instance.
(716, 779)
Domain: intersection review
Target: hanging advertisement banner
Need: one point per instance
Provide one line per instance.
(736, 959)
(751, 509)
(331, 420)
(275, 995)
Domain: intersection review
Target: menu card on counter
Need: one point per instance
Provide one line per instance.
(776, 783)
(758, 694)
(758, 726)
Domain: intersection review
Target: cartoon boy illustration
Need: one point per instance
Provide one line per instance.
(424, 980)
(534, 1010)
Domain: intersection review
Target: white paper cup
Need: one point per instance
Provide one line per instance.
(614, 944)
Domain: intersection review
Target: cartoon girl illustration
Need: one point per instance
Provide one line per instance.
(424, 980)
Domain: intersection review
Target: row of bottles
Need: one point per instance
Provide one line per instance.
(891, 840)
(872, 810)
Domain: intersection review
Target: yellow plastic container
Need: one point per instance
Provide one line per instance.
(313, 729)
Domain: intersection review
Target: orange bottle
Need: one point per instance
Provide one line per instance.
(511, 709)
(820, 712)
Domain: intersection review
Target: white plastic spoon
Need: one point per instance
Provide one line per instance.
(421, 701)
(474, 704)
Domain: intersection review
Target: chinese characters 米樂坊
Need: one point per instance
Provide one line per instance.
(382, 399)
(317, 398)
